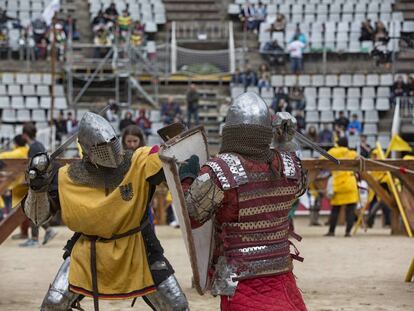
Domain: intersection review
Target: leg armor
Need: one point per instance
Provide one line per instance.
(168, 297)
(58, 297)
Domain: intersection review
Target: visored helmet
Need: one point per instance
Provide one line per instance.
(99, 141)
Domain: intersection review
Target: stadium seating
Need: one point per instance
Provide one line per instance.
(364, 95)
(26, 97)
(341, 19)
(24, 10)
(149, 12)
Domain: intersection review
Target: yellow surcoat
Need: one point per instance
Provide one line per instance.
(122, 267)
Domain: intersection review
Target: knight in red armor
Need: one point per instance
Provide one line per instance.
(248, 190)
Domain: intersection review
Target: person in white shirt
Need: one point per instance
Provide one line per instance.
(295, 49)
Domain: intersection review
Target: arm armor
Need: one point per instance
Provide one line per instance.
(203, 198)
(37, 207)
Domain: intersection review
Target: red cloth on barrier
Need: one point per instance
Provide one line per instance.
(272, 293)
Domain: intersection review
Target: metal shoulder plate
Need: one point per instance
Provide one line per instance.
(291, 165)
(203, 198)
(229, 170)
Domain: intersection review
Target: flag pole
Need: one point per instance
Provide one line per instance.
(53, 74)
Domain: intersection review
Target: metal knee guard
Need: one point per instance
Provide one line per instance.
(58, 297)
(169, 296)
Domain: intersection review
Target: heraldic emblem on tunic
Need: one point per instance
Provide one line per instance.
(126, 192)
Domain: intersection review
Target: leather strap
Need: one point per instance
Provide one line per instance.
(93, 239)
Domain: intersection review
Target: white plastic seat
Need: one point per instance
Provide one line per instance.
(17, 102)
(354, 92)
(324, 92)
(277, 80)
(29, 90)
(368, 92)
(45, 102)
(3, 90)
(345, 80)
(327, 117)
(312, 116)
(59, 91)
(358, 80)
(371, 117)
(383, 91)
(35, 78)
(339, 92)
(386, 80)
(4, 102)
(367, 104)
(318, 80)
(370, 129)
(338, 104)
(304, 80)
(23, 115)
(8, 115)
(310, 104)
(331, 80)
(38, 115)
(372, 79)
(47, 79)
(290, 80)
(32, 102)
(310, 92)
(352, 104)
(324, 104)
(42, 90)
(60, 103)
(383, 104)
(14, 90)
(22, 78)
(8, 78)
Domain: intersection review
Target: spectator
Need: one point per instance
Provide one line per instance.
(237, 77)
(71, 124)
(273, 53)
(264, 78)
(4, 18)
(295, 49)
(143, 122)
(192, 105)
(381, 33)
(41, 49)
(39, 29)
(410, 86)
(101, 41)
(170, 111)
(367, 31)
(339, 132)
(326, 135)
(132, 138)
(283, 106)
(399, 88)
(279, 94)
(127, 120)
(99, 22)
(136, 37)
(111, 13)
(343, 190)
(355, 126)
(279, 24)
(35, 147)
(312, 133)
(342, 121)
(297, 97)
(260, 14)
(300, 35)
(249, 77)
(124, 20)
(112, 113)
(70, 22)
(300, 121)
(247, 16)
(60, 125)
(364, 148)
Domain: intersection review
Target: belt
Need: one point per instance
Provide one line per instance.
(93, 239)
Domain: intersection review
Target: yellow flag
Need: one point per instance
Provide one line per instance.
(398, 144)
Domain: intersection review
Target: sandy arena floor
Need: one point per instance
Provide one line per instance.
(365, 272)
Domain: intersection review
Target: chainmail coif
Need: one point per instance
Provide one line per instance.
(248, 140)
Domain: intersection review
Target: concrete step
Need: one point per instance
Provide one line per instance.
(404, 6)
(191, 7)
(211, 2)
(408, 15)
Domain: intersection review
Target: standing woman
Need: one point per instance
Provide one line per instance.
(132, 138)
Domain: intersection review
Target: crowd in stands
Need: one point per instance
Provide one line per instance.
(108, 25)
(400, 88)
(65, 125)
(33, 40)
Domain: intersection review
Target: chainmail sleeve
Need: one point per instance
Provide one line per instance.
(303, 182)
(204, 196)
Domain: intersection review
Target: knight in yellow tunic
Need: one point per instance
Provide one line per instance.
(104, 198)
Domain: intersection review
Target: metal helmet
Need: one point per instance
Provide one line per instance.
(99, 141)
(249, 109)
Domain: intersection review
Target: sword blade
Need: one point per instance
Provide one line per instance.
(71, 139)
(306, 141)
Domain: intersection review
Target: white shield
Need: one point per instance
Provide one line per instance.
(197, 241)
